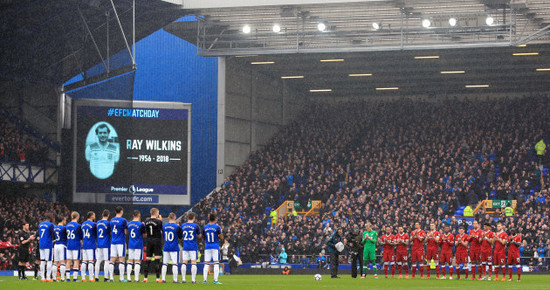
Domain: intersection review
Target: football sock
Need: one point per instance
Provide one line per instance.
(146, 265)
(83, 270)
(91, 268)
(121, 270)
(43, 269)
(193, 272)
(129, 270)
(175, 272)
(205, 271)
(518, 268)
(49, 270)
(164, 269)
(217, 271)
(137, 270)
(111, 271)
(62, 270)
(156, 264)
(97, 267)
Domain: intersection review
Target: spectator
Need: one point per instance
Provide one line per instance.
(321, 261)
(282, 256)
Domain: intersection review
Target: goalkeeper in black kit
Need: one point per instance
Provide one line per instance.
(153, 227)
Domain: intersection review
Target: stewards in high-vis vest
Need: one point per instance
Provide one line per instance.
(540, 149)
(509, 211)
(468, 211)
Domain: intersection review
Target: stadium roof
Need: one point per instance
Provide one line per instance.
(247, 27)
(51, 41)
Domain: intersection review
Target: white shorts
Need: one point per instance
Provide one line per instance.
(102, 254)
(59, 253)
(73, 254)
(88, 255)
(118, 251)
(135, 254)
(168, 257)
(211, 255)
(189, 256)
(46, 254)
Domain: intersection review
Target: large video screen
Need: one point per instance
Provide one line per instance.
(131, 152)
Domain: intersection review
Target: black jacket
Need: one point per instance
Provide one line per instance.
(334, 239)
(354, 242)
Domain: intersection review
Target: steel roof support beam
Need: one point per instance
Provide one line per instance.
(93, 38)
(124, 35)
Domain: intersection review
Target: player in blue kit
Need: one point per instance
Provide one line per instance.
(74, 239)
(45, 231)
(119, 230)
(136, 230)
(190, 231)
(212, 234)
(172, 234)
(103, 229)
(89, 244)
(60, 248)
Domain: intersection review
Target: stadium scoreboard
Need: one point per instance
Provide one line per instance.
(132, 152)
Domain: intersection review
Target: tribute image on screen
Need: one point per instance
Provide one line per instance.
(128, 152)
(102, 150)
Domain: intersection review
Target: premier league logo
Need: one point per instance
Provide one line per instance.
(132, 189)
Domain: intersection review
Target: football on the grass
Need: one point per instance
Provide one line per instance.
(317, 277)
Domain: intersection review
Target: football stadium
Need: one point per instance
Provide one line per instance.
(283, 144)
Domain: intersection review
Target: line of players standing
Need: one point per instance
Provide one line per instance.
(65, 245)
(483, 248)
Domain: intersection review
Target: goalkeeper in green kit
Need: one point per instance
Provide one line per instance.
(369, 253)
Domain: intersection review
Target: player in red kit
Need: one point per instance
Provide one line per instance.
(475, 249)
(432, 253)
(417, 253)
(461, 244)
(487, 242)
(514, 242)
(402, 252)
(447, 240)
(500, 251)
(388, 240)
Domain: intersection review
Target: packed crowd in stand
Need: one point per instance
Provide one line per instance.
(15, 147)
(391, 163)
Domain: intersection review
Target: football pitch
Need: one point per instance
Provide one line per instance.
(291, 282)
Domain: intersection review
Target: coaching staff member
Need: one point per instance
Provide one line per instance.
(25, 239)
(331, 247)
(153, 227)
(356, 251)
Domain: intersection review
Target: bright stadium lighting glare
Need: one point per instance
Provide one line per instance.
(321, 26)
(426, 23)
(246, 29)
(375, 25)
(452, 21)
(489, 20)
(276, 28)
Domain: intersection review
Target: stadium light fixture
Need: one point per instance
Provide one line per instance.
(426, 23)
(376, 25)
(262, 62)
(291, 77)
(525, 53)
(359, 75)
(247, 29)
(476, 86)
(543, 69)
(522, 45)
(489, 20)
(427, 57)
(447, 72)
(388, 89)
(321, 26)
(320, 90)
(276, 28)
(452, 21)
(332, 60)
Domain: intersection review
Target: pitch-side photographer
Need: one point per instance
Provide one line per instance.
(356, 251)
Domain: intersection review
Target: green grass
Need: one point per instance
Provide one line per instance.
(280, 282)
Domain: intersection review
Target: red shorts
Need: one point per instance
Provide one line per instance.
(475, 254)
(487, 257)
(417, 255)
(432, 253)
(461, 257)
(402, 257)
(513, 258)
(500, 259)
(446, 257)
(388, 256)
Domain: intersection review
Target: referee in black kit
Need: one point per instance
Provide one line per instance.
(332, 247)
(25, 239)
(153, 227)
(354, 240)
